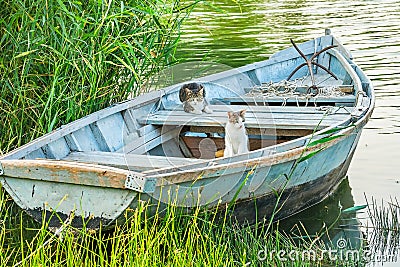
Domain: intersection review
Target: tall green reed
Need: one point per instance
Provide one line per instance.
(384, 235)
(62, 60)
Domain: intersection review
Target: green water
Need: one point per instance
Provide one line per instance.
(253, 30)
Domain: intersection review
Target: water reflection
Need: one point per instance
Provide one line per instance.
(326, 220)
(372, 232)
(370, 29)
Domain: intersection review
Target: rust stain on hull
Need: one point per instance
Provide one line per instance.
(66, 172)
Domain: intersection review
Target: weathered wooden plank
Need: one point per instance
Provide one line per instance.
(150, 140)
(311, 109)
(203, 147)
(185, 149)
(130, 121)
(251, 114)
(58, 149)
(308, 48)
(168, 148)
(363, 103)
(280, 71)
(146, 129)
(164, 137)
(67, 172)
(37, 154)
(129, 161)
(253, 77)
(140, 141)
(233, 83)
(303, 88)
(255, 131)
(110, 131)
(324, 58)
(83, 140)
(131, 125)
(347, 99)
(250, 122)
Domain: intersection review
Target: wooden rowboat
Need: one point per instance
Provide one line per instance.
(303, 134)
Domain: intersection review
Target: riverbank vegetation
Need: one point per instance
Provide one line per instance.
(202, 238)
(62, 60)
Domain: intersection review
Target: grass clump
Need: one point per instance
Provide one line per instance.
(201, 238)
(62, 60)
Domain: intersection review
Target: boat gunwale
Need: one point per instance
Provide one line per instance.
(107, 176)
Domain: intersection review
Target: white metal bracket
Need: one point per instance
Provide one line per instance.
(139, 183)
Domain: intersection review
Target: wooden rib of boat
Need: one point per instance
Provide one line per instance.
(149, 149)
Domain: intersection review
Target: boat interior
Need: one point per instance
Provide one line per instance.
(158, 134)
(169, 137)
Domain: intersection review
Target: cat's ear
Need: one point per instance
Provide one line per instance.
(182, 95)
(202, 91)
(187, 91)
(230, 114)
(242, 114)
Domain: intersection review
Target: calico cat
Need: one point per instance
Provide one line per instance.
(236, 139)
(192, 95)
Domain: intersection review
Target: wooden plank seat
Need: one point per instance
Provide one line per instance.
(256, 117)
(346, 100)
(276, 109)
(129, 161)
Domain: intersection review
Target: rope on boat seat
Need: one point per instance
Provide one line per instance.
(287, 89)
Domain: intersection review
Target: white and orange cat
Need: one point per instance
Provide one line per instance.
(236, 139)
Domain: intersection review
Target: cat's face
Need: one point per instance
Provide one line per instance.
(192, 92)
(195, 95)
(237, 118)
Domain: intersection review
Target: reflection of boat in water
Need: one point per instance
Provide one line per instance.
(328, 214)
(303, 133)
